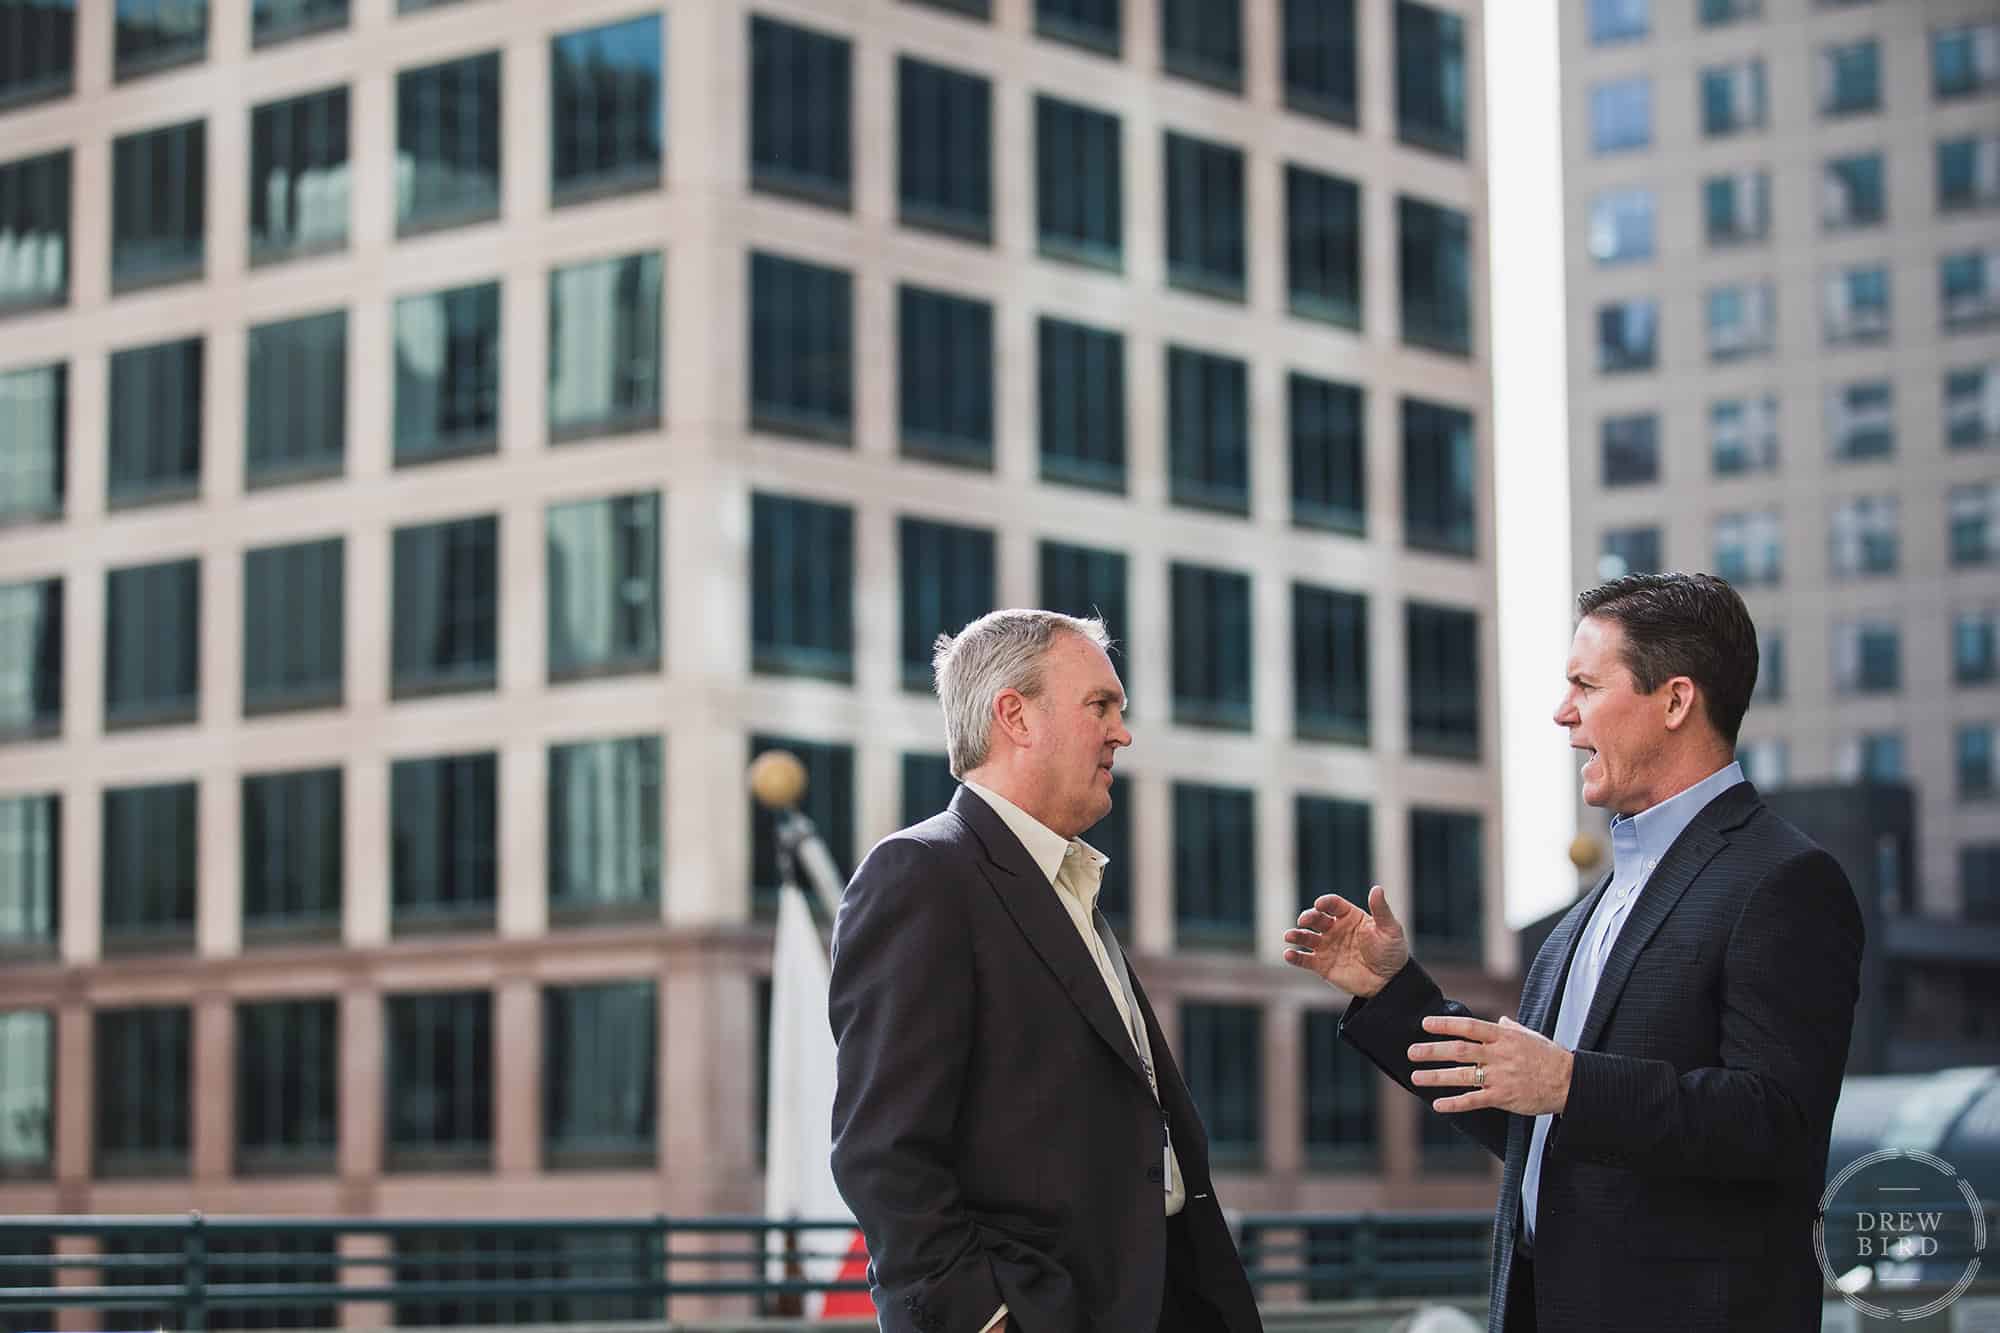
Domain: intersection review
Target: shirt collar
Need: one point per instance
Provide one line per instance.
(1646, 836)
(1044, 845)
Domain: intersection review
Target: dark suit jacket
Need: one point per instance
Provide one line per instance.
(1680, 1185)
(993, 1129)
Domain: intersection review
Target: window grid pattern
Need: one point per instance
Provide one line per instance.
(603, 581)
(605, 345)
(1212, 647)
(443, 864)
(945, 381)
(1430, 78)
(1336, 848)
(440, 1081)
(31, 669)
(30, 880)
(1095, 25)
(1330, 664)
(37, 51)
(1079, 193)
(1630, 449)
(274, 21)
(1440, 500)
(155, 423)
(295, 416)
(1208, 430)
(604, 113)
(34, 219)
(944, 138)
(1203, 40)
(801, 588)
(151, 35)
(1434, 272)
(801, 349)
(1321, 59)
(447, 608)
(1206, 243)
(300, 181)
(947, 581)
(1323, 246)
(1341, 1091)
(143, 1091)
(294, 619)
(1081, 402)
(1447, 905)
(606, 827)
(1329, 451)
(1215, 867)
(287, 1076)
(152, 644)
(447, 374)
(34, 433)
(1085, 581)
(448, 144)
(801, 103)
(1222, 1052)
(1443, 660)
(158, 205)
(149, 851)
(27, 1149)
(293, 853)
(598, 1095)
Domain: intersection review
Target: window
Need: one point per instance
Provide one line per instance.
(443, 852)
(158, 192)
(34, 222)
(31, 659)
(1979, 881)
(447, 608)
(37, 51)
(1630, 551)
(1965, 61)
(802, 588)
(293, 853)
(143, 1091)
(440, 1084)
(287, 1080)
(295, 416)
(1329, 454)
(1329, 664)
(448, 144)
(1621, 225)
(944, 153)
(1080, 374)
(945, 380)
(1857, 305)
(152, 644)
(1336, 848)
(606, 829)
(28, 1091)
(828, 803)
(1321, 59)
(599, 1054)
(1742, 320)
(152, 35)
(1085, 581)
(448, 373)
(1770, 687)
(801, 349)
(274, 21)
(299, 178)
(1743, 435)
(604, 586)
(155, 423)
(1430, 78)
(1851, 193)
(1435, 277)
(1441, 645)
(1205, 239)
(1094, 25)
(604, 346)
(972, 9)
(1861, 420)
(1339, 1099)
(1215, 867)
(1112, 835)
(801, 100)
(1974, 520)
(294, 622)
(1213, 669)
(928, 787)
(1766, 763)
(1736, 207)
(1975, 648)
(1628, 335)
(1850, 78)
(1864, 536)
(1323, 246)
(1079, 195)
(148, 874)
(33, 432)
(1203, 40)
(1621, 115)
(947, 578)
(1968, 173)
(604, 109)
(1867, 657)
(1749, 548)
(1222, 1051)
(30, 881)
(1969, 289)
(1976, 766)
(1447, 898)
(1732, 98)
(1630, 449)
(1715, 13)
(1971, 406)
(1208, 430)
(1618, 20)
(1439, 500)
(1873, 757)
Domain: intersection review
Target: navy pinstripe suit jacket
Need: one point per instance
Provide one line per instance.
(1680, 1185)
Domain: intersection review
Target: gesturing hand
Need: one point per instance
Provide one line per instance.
(1518, 1069)
(1346, 947)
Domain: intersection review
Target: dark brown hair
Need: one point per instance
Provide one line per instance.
(1692, 625)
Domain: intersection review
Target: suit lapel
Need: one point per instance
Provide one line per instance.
(1550, 971)
(1051, 933)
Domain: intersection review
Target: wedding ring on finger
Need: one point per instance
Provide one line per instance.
(1479, 1076)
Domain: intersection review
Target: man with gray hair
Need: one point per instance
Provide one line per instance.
(1009, 1126)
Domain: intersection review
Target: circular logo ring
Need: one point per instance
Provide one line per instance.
(1943, 1168)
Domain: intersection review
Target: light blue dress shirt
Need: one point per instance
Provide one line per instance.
(1637, 844)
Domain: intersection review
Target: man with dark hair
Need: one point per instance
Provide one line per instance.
(1663, 1105)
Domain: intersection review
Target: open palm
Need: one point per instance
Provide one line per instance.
(1344, 946)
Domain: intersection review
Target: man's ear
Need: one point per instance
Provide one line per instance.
(1010, 715)
(1682, 699)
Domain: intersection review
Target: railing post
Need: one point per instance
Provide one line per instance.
(195, 1293)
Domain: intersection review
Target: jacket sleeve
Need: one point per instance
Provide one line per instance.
(1385, 1027)
(1790, 978)
(901, 1005)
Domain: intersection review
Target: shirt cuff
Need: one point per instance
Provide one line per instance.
(998, 1315)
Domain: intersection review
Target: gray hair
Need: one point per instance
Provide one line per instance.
(1002, 650)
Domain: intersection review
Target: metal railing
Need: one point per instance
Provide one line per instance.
(193, 1272)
